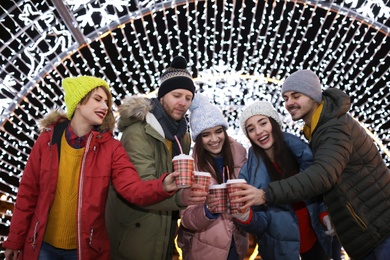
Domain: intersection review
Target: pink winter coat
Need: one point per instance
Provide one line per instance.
(104, 161)
(203, 238)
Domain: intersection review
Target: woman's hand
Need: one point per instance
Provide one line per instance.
(11, 254)
(195, 195)
(212, 202)
(169, 182)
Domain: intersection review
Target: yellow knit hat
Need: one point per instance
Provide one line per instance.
(77, 88)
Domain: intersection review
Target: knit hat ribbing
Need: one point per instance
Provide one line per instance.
(305, 82)
(77, 88)
(176, 77)
(204, 115)
(259, 108)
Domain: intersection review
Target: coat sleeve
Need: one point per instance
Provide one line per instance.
(194, 218)
(258, 224)
(130, 186)
(139, 147)
(333, 147)
(27, 197)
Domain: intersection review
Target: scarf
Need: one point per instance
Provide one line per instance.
(308, 130)
(170, 126)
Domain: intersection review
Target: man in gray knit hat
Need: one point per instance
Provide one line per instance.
(347, 170)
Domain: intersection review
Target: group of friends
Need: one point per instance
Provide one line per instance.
(86, 195)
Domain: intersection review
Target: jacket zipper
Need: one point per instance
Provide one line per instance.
(356, 217)
(35, 235)
(81, 183)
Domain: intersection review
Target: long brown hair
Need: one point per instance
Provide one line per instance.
(109, 121)
(206, 162)
(284, 158)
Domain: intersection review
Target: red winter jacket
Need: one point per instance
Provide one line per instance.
(104, 161)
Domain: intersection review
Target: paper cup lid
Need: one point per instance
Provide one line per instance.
(182, 156)
(218, 186)
(202, 173)
(230, 181)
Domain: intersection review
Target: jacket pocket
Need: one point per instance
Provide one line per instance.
(358, 220)
(98, 244)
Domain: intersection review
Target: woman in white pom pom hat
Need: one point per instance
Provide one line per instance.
(205, 233)
(275, 155)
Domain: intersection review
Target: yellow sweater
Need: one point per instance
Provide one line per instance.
(61, 229)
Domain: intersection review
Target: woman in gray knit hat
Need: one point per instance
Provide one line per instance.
(276, 155)
(204, 233)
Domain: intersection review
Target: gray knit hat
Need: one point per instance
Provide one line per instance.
(204, 115)
(305, 82)
(259, 108)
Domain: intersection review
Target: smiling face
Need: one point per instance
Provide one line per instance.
(300, 106)
(213, 140)
(176, 103)
(259, 129)
(93, 109)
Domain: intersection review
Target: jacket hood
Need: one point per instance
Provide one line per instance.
(133, 109)
(52, 118)
(337, 103)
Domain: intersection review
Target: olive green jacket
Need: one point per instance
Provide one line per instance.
(148, 232)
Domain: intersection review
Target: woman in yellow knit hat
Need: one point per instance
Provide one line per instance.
(59, 211)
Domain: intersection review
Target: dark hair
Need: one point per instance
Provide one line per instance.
(284, 158)
(109, 121)
(207, 162)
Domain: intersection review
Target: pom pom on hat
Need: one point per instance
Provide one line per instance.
(176, 77)
(264, 108)
(305, 82)
(77, 88)
(204, 115)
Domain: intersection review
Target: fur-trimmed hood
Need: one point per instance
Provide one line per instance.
(133, 109)
(52, 118)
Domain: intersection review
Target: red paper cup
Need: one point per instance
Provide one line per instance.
(202, 178)
(234, 207)
(185, 165)
(220, 191)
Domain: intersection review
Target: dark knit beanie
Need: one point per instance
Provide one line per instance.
(305, 82)
(176, 77)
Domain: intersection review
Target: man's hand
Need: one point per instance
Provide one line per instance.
(169, 182)
(329, 227)
(192, 196)
(249, 195)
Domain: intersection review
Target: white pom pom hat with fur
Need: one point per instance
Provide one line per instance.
(264, 108)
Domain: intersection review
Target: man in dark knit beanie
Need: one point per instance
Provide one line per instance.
(347, 170)
(150, 128)
(176, 77)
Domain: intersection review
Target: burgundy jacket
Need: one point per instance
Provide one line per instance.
(104, 161)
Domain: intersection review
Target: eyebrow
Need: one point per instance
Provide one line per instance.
(261, 119)
(98, 95)
(209, 131)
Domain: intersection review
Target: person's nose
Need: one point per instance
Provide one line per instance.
(214, 137)
(104, 106)
(183, 101)
(288, 102)
(258, 130)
